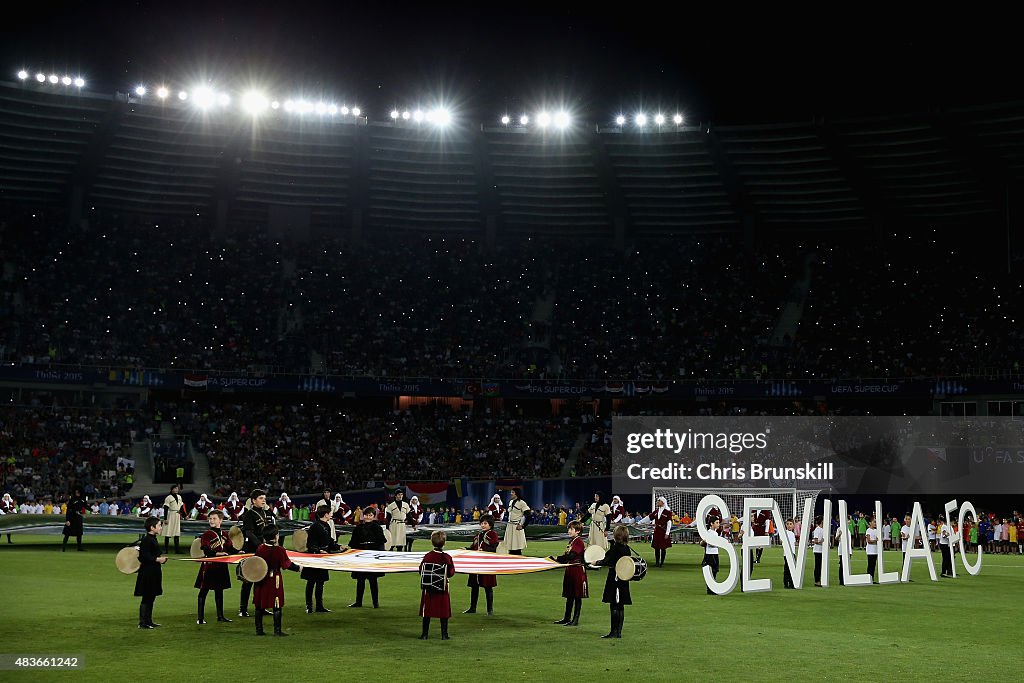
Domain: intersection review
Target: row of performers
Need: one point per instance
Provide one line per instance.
(436, 569)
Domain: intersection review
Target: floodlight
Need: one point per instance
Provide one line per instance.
(543, 119)
(523, 120)
(677, 119)
(66, 80)
(355, 111)
(620, 120)
(22, 74)
(394, 113)
(203, 97)
(223, 99)
(562, 119)
(505, 119)
(332, 110)
(406, 115)
(79, 82)
(321, 108)
(275, 105)
(41, 78)
(640, 120)
(54, 79)
(162, 93)
(442, 117)
(659, 119)
(140, 90)
(254, 102)
(183, 95)
(288, 105)
(344, 110)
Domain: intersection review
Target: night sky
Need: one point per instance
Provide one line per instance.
(489, 58)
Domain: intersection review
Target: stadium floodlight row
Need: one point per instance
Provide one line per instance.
(255, 103)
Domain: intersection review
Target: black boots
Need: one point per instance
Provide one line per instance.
(444, 630)
(577, 606)
(617, 617)
(309, 597)
(243, 606)
(564, 621)
(218, 596)
(201, 611)
(177, 545)
(319, 592)
(474, 596)
(277, 623)
(426, 628)
(489, 594)
(259, 622)
(143, 616)
(146, 615)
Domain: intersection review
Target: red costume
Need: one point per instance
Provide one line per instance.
(574, 583)
(759, 524)
(496, 510)
(214, 575)
(437, 603)
(234, 508)
(203, 506)
(269, 593)
(343, 515)
(8, 506)
(283, 507)
(662, 526)
(487, 543)
(617, 510)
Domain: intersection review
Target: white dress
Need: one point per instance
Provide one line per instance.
(172, 525)
(397, 524)
(599, 524)
(515, 539)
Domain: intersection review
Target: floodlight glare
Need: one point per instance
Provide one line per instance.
(223, 100)
(640, 120)
(355, 111)
(543, 119)
(288, 105)
(344, 110)
(677, 119)
(442, 117)
(406, 116)
(66, 80)
(417, 116)
(41, 78)
(183, 95)
(523, 120)
(254, 102)
(140, 90)
(79, 82)
(321, 108)
(54, 79)
(332, 110)
(620, 120)
(275, 105)
(562, 119)
(22, 74)
(394, 113)
(505, 119)
(162, 93)
(659, 119)
(203, 97)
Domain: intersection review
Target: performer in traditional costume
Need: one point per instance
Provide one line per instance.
(496, 509)
(661, 540)
(368, 535)
(283, 507)
(396, 512)
(515, 530)
(174, 507)
(616, 591)
(436, 569)
(8, 507)
(146, 507)
(318, 541)
(149, 580)
(618, 511)
(203, 507)
(74, 520)
(269, 593)
(574, 583)
(412, 521)
(598, 513)
(256, 519)
(234, 507)
(213, 576)
(486, 541)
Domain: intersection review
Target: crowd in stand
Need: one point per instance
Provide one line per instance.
(699, 307)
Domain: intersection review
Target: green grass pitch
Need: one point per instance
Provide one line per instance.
(78, 604)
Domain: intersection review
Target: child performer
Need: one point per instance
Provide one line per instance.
(319, 541)
(574, 583)
(213, 576)
(616, 591)
(436, 601)
(149, 580)
(269, 593)
(711, 552)
(485, 541)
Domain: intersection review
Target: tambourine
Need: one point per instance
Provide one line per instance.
(127, 560)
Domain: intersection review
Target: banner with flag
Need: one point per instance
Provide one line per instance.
(196, 381)
(384, 562)
(429, 492)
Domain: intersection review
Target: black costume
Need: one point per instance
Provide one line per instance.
(75, 515)
(318, 540)
(213, 576)
(616, 591)
(254, 522)
(366, 536)
(149, 580)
